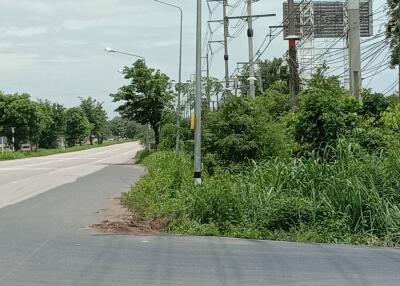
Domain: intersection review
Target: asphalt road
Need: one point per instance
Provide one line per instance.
(44, 238)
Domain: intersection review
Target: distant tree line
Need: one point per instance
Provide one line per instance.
(42, 123)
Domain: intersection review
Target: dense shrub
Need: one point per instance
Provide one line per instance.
(354, 199)
(326, 113)
(243, 130)
(374, 104)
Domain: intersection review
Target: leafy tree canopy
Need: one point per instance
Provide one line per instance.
(146, 97)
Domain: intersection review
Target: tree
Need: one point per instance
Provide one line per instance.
(393, 30)
(271, 71)
(118, 127)
(41, 123)
(50, 137)
(325, 113)
(146, 98)
(97, 117)
(29, 118)
(78, 126)
(374, 104)
(242, 130)
(277, 100)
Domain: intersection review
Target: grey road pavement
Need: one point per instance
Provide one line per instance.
(45, 240)
(26, 178)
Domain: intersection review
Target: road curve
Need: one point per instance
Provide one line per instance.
(45, 240)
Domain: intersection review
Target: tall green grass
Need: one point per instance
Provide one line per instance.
(352, 199)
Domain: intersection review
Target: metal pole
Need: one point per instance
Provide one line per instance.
(260, 81)
(250, 35)
(178, 112)
(208, 66)
(13, 138)
(354, 47)
(178, 106)
(226, 34)
(197, 145)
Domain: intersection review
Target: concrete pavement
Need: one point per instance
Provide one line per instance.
(44, 240)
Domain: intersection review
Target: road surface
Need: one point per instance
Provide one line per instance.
(47, 204)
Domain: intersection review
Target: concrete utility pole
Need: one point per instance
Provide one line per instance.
(197, 139)
(293, 66)
(260, 82)
(208, 66)
(354, 47)
(250, 35)
(207, 70)
(13, 138)
(2, 144)
(226, 35)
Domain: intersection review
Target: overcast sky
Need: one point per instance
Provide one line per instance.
(54, 49)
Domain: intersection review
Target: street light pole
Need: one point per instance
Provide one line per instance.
(178, 108)
(197, 145)
(109, 50)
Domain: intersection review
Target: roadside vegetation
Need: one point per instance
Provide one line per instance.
(328, 172)
(40, 128)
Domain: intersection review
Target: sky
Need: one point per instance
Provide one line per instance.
(54, 49)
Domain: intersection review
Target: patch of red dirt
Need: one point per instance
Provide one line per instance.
(119, 220)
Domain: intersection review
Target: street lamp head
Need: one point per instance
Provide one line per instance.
(251, 79)
(109, 50)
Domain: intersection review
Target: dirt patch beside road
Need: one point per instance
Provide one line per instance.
(119, 220)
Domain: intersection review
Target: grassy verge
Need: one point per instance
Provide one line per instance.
(47, 152)
(355, 199)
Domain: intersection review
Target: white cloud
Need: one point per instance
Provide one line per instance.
(23, 31)
(166, 43)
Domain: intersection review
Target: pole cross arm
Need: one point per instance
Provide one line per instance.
(218, 42)
(253, 16)
(216, 21)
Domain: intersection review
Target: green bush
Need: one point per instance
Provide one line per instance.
(326, 112)
(354, 199)
(242, 130)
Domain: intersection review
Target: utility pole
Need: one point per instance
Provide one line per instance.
(354, 47)
(207, 70)
(236, 85)
(13, 138)
(250, 35)
(208, 66)
(197, 139)
(260, 82)
(226, 34)
(293, 66)
(178, 111)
